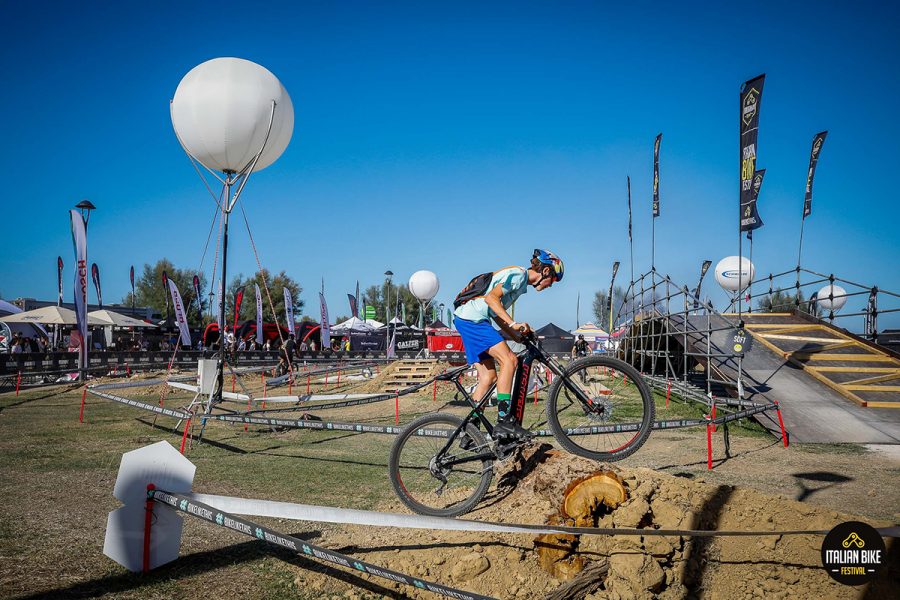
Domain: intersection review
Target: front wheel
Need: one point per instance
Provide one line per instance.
(617, 416)
(435, 481)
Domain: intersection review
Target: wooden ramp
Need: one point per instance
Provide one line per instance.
(862, 372)
(405, 373)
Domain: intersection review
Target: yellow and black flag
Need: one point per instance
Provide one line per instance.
(751, 101)
(818, 140)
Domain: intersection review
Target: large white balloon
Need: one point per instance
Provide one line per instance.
(424, 285)
(837, 300)
(734, 269)
(221, 113)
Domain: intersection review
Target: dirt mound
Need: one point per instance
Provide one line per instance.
(531, 489)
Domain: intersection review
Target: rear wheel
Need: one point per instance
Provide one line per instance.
(422, 477)
(616, 420)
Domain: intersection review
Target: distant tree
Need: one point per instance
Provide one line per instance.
(600, 311)
(276, 285)
(376, 295)
(782, 301)
(149, 290)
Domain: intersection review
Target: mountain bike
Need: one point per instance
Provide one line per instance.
(597, 407)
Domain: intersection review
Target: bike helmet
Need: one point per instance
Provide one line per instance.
(545, 257)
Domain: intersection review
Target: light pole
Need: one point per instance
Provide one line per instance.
(441, 312)
(387, 303)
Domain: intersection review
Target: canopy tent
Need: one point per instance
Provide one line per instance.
(352, 324)
(374, 323)
(50, 315)
(118, 320)
(436, 325)
(594, 336)
(555, 339)
(26, 330)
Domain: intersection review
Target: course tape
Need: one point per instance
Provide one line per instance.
(222, 518)
(349, 516)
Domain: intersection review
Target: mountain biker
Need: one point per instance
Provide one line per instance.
(487, 297)
(581, 347)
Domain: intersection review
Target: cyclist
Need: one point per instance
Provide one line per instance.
(581, 347)
(487, 297)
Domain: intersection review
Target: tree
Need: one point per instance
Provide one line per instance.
(376, 295)
(781, 301)
(276, 285)
(149, 290)
(600, 310)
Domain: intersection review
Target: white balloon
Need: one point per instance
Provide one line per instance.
(424, 285)
(221, 113)
(836, 302)
(733, 269)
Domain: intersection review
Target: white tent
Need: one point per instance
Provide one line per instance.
(118, 320)
(352, 324)
(50, 315)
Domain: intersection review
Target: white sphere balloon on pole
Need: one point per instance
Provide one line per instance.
(235, 118)
(221, 113)
(831, 298)
(424, 285)
(734, 273)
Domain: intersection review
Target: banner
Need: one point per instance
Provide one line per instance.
(95, 276)
(609, 296)
(199, 297)
(79, 239)
(356, 314)
(289, 310)
(628, 179)
(353, 306)
(750, 219)
(370, 313)
(326, 328)
(751, 101)
(656, 175)
(818, 140)
(238, 300)
(132, 289)
(259, 313)
(180, 315)
(59, 270)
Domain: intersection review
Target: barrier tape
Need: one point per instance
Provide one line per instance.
(219, 517)
(349, 516)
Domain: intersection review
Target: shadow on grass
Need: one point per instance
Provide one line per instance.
(55, 392)
(827, 478)
(205, 562)
(717, 461)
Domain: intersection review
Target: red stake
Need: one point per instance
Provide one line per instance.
(127, 370)
(326, 378)
(81, 415)
(339, 377)
(291, 385)
(535, 391)
(708, 446)
(232, 383)
(781, 422)
(714, 415)
(668, 392)
(187, 426)
(18, 383)
(397, 409)
(148, 521)
(434, 392)
(625, 379)
(307, 383)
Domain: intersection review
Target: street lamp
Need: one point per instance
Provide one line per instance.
(387, 303)
(85, 206)
(441, 312)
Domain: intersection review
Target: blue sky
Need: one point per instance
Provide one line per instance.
(456, 137)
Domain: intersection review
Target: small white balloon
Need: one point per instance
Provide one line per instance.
(831, 298)
(424, 285)
(221, 112)
(734, 273)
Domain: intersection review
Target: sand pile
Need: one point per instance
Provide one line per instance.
(508, 566)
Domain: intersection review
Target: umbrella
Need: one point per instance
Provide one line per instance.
(50, 315)
(118, 320)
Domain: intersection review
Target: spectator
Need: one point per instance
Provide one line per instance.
(268, 346)
(346, 344)
(304, 347)
(289, 347)
(17, 345)
(312, 346)
(241, 345)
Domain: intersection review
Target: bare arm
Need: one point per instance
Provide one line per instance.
(503, 319)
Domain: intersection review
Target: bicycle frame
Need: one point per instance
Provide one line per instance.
(518, 397)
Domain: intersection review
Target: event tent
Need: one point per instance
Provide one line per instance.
(352, 324)
(593, 335)
(118, 320)
(555, 339)
(50, 315)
